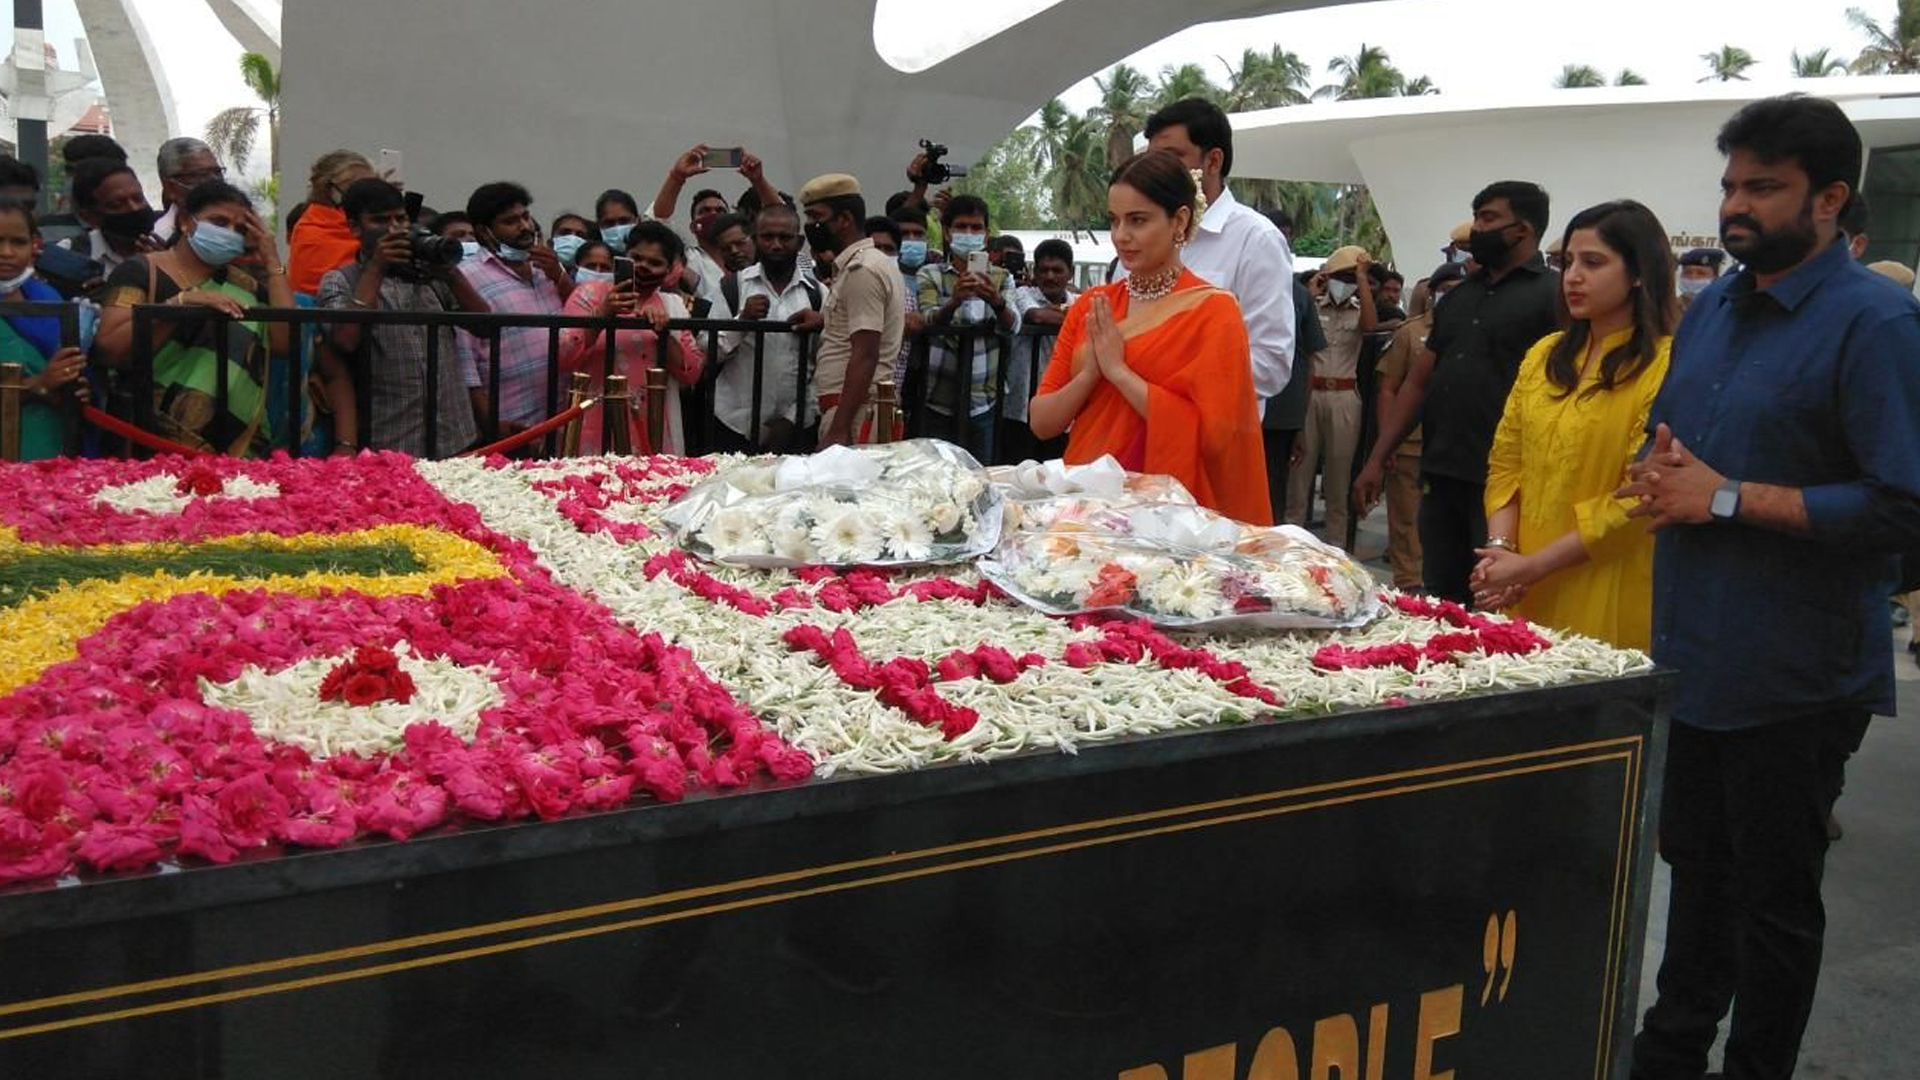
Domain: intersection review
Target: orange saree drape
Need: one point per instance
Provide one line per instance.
(1202, 425)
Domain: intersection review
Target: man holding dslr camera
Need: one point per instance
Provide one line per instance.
(400, 271)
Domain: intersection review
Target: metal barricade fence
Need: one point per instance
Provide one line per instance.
(703, 430)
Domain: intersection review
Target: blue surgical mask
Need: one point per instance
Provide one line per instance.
(512, 254)
(13, 284)
(616, 237)
(964, 244)
(471, 249)
(1459, 256)
(216, 245)
(582, 275)
(913, 254)
(1694, 286)
(567, 247)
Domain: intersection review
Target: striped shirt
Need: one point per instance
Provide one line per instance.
(523, 350)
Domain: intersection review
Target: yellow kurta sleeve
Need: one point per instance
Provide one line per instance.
(1507, 459)
(1605, 529)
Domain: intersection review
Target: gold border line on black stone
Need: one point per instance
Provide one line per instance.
(1162, 822)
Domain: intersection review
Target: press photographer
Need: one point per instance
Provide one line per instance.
(401, 268)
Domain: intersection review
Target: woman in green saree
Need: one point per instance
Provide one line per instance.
(33, 341)
(217, 227)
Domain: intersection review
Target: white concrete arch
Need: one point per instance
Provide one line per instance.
(573, 97)
(134, 79)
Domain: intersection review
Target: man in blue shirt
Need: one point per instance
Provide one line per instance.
(1782, 479)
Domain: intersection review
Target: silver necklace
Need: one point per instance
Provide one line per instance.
(1153, 287)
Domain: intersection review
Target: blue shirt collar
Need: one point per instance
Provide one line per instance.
(1792, 291)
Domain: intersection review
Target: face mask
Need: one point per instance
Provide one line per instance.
(1694, 286)
(964, 244)
(512, 254)
(819, 235)
(616, 237)
(582, 275)
(471, 250)
(913, 254)
(14, 283)
(1490, 247)
(1340, 292)
(216, 245)
(567, 247)
(129, 223)
(1459, 256)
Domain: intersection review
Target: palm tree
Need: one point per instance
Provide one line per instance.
(233, 132)
(1078, 159)
(1727, 65)
(1817, 64)
(1579, 77)
(1265, 81)
(1183, 82)
(1893, 49)
(1122, 108)
(1419, 87)
(1368, 73)
(1629, 77)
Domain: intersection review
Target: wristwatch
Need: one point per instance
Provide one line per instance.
(1726, 502)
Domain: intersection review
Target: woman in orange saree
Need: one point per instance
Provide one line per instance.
(1154, 370)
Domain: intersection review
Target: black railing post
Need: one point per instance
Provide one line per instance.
(143, 375)
(432, 408)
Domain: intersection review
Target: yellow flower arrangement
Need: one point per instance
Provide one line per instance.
(47, 630)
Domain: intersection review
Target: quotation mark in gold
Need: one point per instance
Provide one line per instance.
(1496, 953)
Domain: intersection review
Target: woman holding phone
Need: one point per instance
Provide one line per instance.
(1561, 549)
(654, 250)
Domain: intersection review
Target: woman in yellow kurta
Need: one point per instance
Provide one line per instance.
(1561, 550)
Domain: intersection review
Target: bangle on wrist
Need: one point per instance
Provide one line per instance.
(1504, 543)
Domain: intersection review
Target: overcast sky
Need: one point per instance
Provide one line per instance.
(1484, 46)
(1466, 46)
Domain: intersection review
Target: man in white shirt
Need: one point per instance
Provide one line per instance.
(1237, 248)
(183, 164)
(772, 289)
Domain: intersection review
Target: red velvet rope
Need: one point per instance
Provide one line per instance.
(513, 442)
(127, 431)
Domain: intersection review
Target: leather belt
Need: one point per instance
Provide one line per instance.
(1335, 384)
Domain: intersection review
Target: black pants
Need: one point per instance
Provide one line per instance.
(1279, 451)
(1453, 522)
(1743, 824)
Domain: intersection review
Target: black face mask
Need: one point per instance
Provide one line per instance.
(129, 224)
(1490, 247)
(1771, 252)
(819, 235)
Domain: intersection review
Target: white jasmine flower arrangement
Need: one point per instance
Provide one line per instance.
(913, 503)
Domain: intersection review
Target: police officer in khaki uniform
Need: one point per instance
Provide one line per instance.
(1403, 482)
(1455, 252)
(865, 315)
(1333, 412)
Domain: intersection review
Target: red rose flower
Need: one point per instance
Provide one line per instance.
(364, 689)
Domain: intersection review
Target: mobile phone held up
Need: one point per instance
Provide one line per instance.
(388, 168)
(622, 270)
(724, 157)
(978, 264)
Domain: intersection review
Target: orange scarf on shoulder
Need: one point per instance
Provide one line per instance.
(1202, 425)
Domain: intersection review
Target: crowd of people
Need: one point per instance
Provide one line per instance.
(1710, 457)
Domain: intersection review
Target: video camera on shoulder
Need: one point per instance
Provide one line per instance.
(936, 172)
(433, 256)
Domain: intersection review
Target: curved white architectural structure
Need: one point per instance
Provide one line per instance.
(134, 79)
(1424, 158)
(573, 97)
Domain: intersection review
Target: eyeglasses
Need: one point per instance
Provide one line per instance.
(200, 176)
